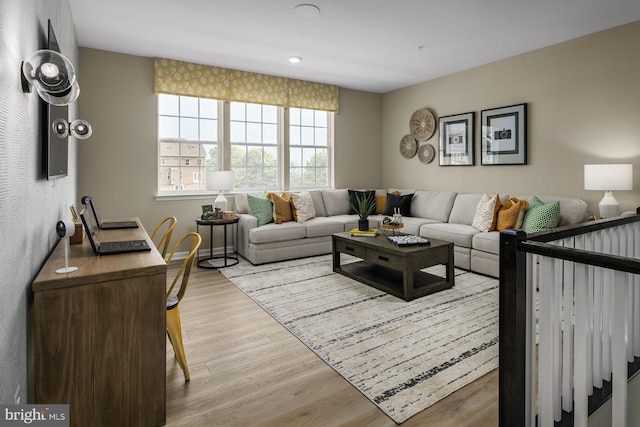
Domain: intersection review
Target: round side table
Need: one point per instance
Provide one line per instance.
(226, 259)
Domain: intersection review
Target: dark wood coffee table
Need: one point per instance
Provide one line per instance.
(394, 269)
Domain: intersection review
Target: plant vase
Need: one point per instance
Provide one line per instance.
(363, 224)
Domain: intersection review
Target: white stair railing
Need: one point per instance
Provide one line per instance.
(588, 326)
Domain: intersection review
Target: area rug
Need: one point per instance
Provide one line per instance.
(403, 356)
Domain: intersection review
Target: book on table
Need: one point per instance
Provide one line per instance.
(372, 232)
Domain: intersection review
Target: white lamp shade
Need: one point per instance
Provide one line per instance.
(221, 180)
(608, 177)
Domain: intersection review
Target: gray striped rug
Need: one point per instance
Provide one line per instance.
(403, 356)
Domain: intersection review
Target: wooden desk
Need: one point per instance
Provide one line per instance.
(99, 334)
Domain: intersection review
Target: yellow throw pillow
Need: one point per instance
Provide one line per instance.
(512, 210)
(494, 223)
(381, 202)
(281, 207)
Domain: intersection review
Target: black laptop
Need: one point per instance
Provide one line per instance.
(106, 225)
(111, 248)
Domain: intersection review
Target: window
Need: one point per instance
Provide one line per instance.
(308, 148)
(190, 143)
(188, 132)
(254, 145)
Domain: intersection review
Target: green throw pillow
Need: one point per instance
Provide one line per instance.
(540, 216)
(261, 208)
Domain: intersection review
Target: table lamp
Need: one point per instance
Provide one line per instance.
(608, 177)
(220, 181)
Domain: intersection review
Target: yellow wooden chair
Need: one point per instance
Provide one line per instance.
(163, 244)
(174, 329)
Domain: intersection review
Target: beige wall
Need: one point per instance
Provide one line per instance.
(118, 164)
(584, 107)
(583, 101)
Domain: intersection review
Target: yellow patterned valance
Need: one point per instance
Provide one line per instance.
(312, 95)
(205, 81)
(185, 78)
(258, 88)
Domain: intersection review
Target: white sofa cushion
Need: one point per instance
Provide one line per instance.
(323, 226)
(464, 208)
(318, 203)
(433, 205)
(459, 234)
(277, 232)
(241, 204)
(336, 202)
(487, 242)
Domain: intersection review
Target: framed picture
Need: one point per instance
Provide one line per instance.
(205, 209)
(504, 135)
(456, 140)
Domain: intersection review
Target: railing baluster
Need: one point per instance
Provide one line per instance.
(619, 358)
(598, 332)
(546, 389)
(581, 356)
(567, 330)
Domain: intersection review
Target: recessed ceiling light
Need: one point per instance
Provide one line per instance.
(295, 59)
(306, 10)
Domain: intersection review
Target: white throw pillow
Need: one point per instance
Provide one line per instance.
(484, 212)
(302, 205)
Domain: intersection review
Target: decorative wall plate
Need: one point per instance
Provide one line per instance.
(408, 146)
(426, 153)
(422, 124)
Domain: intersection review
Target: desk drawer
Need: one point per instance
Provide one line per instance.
(395, 262)
(350, 248)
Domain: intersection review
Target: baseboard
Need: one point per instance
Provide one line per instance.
(216, 251)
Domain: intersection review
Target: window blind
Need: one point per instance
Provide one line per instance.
(206, 81)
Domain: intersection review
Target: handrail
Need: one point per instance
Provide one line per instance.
(515, 245)
(581, 256)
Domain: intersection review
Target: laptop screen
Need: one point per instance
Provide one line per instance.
(91, 234)
(94, 209)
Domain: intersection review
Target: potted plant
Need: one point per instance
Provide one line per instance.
(364, 207)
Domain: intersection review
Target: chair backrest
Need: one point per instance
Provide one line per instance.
(163, 244)
(185, 269)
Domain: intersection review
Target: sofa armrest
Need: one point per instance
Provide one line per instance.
(245, 223)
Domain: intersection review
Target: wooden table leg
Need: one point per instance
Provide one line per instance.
(451, 275)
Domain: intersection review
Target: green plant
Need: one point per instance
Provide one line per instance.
(364, 206)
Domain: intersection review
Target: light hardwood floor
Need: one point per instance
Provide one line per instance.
(248, 370)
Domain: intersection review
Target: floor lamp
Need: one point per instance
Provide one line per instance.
(608, 177)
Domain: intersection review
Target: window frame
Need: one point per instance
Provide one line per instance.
(224, 149)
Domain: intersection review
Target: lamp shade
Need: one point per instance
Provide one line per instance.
(221, 180)
(608, 177)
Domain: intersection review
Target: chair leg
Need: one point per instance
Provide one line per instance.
(174, 330)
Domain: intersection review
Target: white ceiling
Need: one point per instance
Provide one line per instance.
(371, 45)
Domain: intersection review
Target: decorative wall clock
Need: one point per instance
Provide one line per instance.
(408, 146)
(422, 124)
(426, 153)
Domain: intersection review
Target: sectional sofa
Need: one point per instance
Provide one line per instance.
(434, 214)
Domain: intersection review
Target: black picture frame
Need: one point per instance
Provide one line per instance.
(456, 140)
(504, 135)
